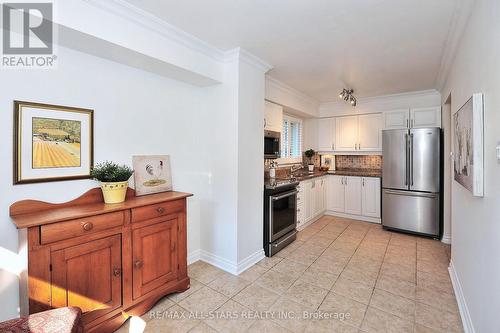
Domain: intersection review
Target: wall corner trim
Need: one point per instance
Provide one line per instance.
(247, 57)
(249, 261)
(462, 305)
(446, 239)
(459, 21)
(219, 262)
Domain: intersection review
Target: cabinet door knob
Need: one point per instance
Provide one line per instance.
(160, 210)
(87, 226)
(117, 272)
(172, 248)
(138, 264)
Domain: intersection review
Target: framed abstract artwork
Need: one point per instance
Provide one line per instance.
(152, 174)
(468, 144)
(52, 142)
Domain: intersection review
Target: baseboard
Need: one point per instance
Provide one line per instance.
(354, 217)
(219, 262)
(193, 256)
(446, 239)
(225, 264)
(249, 261)
(462, 305)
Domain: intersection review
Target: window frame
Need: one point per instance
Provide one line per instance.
(289, 159)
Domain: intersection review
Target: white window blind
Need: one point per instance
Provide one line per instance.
(291, 140)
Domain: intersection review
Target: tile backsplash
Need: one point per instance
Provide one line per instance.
(358, 162)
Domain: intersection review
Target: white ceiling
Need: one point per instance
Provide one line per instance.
(376, 47)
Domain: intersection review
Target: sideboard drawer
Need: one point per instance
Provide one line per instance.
(157, 210)
(50, 233)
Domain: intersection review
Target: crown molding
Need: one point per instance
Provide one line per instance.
(153, 23)
(286, 88)
(419, 93)
(239, 53)
(458, 24)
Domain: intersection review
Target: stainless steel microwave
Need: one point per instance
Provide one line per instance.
(272, 144)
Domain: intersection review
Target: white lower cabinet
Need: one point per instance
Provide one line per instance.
(353, 195)
(356, 197)
(335, 198)
(311, 200)
(370, 197)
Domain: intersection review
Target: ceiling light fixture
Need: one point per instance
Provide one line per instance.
(347, 95)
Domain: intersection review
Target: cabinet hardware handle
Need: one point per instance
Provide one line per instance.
(138, 264)
(172, 248)
(407, 125)
(363, 182)
(346, 182)
(298, 210)
(117, 272)
(87, 226)
(160, 210)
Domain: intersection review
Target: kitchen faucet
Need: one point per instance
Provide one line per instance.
(294, 168)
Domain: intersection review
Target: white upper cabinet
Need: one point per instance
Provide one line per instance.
(346, 133)
(413, 118)
(326, 134)
(370, 197)
(273, 117)
(370, 132)
(397, 119)
(425, 117)
(359, 133)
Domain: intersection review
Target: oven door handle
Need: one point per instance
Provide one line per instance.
(286, 194)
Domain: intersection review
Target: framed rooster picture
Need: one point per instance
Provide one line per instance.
(152, 174)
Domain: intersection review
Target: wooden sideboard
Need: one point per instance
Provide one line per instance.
(112, 261)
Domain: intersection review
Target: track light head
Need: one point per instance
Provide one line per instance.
(347, 95)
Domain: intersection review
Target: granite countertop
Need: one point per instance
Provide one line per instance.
(341, 172)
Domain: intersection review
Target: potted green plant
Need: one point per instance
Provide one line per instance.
(114, 180)
(310, 154)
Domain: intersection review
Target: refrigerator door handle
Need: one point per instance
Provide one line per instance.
(411, 159)
(412, 194)
(406, 160)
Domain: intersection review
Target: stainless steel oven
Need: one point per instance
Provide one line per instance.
(272, 144)
(280, 217)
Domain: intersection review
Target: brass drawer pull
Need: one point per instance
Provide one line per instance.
(160, 210)
(138, 264)
(117, 272)
(87, 226)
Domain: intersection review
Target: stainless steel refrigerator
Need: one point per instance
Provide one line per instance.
(411, 180)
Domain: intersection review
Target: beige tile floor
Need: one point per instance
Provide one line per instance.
(366, 278)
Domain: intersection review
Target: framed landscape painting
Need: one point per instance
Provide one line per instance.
(152, 174)
(468, 145)
(51, 142)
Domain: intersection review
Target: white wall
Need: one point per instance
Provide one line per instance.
(135, 113)
(294, 101)
(475, 221)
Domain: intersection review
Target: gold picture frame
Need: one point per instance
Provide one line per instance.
(52, 142)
